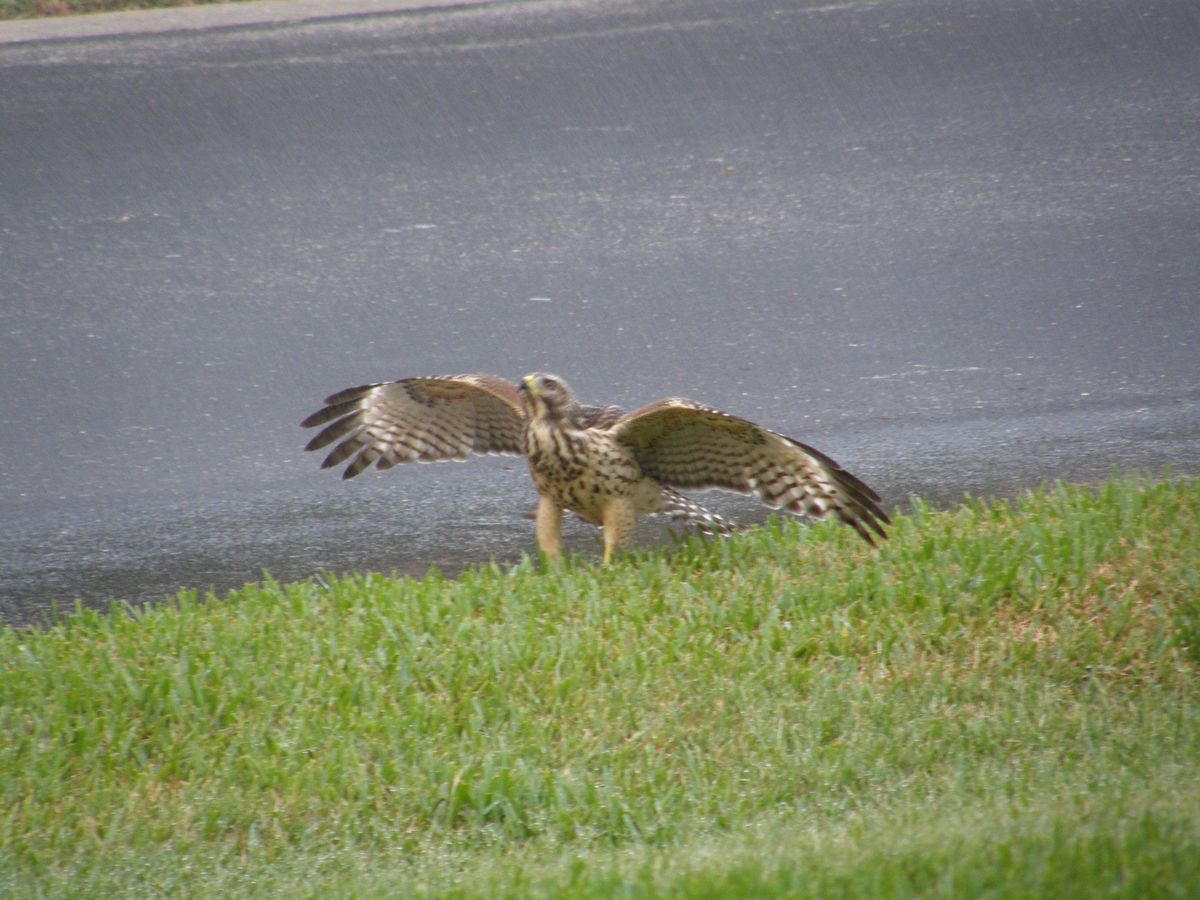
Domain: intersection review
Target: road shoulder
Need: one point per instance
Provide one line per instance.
(217, 15)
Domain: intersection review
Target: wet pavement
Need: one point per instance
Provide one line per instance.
(954, 245)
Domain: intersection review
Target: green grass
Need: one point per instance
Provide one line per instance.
(27, 9)
(1001, 701)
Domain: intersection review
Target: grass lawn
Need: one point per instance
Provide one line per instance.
(27, 9)
(1001, 701)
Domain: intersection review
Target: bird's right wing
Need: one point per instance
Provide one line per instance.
(418, 420)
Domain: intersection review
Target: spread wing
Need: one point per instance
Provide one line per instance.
(685, 445)
(418, 420)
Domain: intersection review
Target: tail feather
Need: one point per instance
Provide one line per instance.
(690, 513)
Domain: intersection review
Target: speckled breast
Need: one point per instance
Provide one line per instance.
(578, 469)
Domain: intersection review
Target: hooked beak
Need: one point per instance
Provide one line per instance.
(527, 383)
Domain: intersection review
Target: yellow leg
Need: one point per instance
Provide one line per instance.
(618, 520)
(549, 527)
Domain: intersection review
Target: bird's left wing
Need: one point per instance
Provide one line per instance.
(418, 420)
(685, 445)
(602, 417)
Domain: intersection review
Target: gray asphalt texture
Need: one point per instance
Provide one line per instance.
(955, 244)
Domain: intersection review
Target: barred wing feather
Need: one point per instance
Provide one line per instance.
(418, 420)
(685, 445)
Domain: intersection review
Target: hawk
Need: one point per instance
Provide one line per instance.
(608, 466)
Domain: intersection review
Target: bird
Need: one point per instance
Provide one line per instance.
(608, 466)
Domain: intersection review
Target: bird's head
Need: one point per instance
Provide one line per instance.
(545, 395)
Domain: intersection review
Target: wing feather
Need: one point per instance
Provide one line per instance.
(418, 420)
(602, 417)
(685, 445)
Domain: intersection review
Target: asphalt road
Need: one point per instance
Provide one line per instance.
(953, 243)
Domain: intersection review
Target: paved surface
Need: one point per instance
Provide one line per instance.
(954, 244)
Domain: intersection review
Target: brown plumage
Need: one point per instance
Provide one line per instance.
(608, 466)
